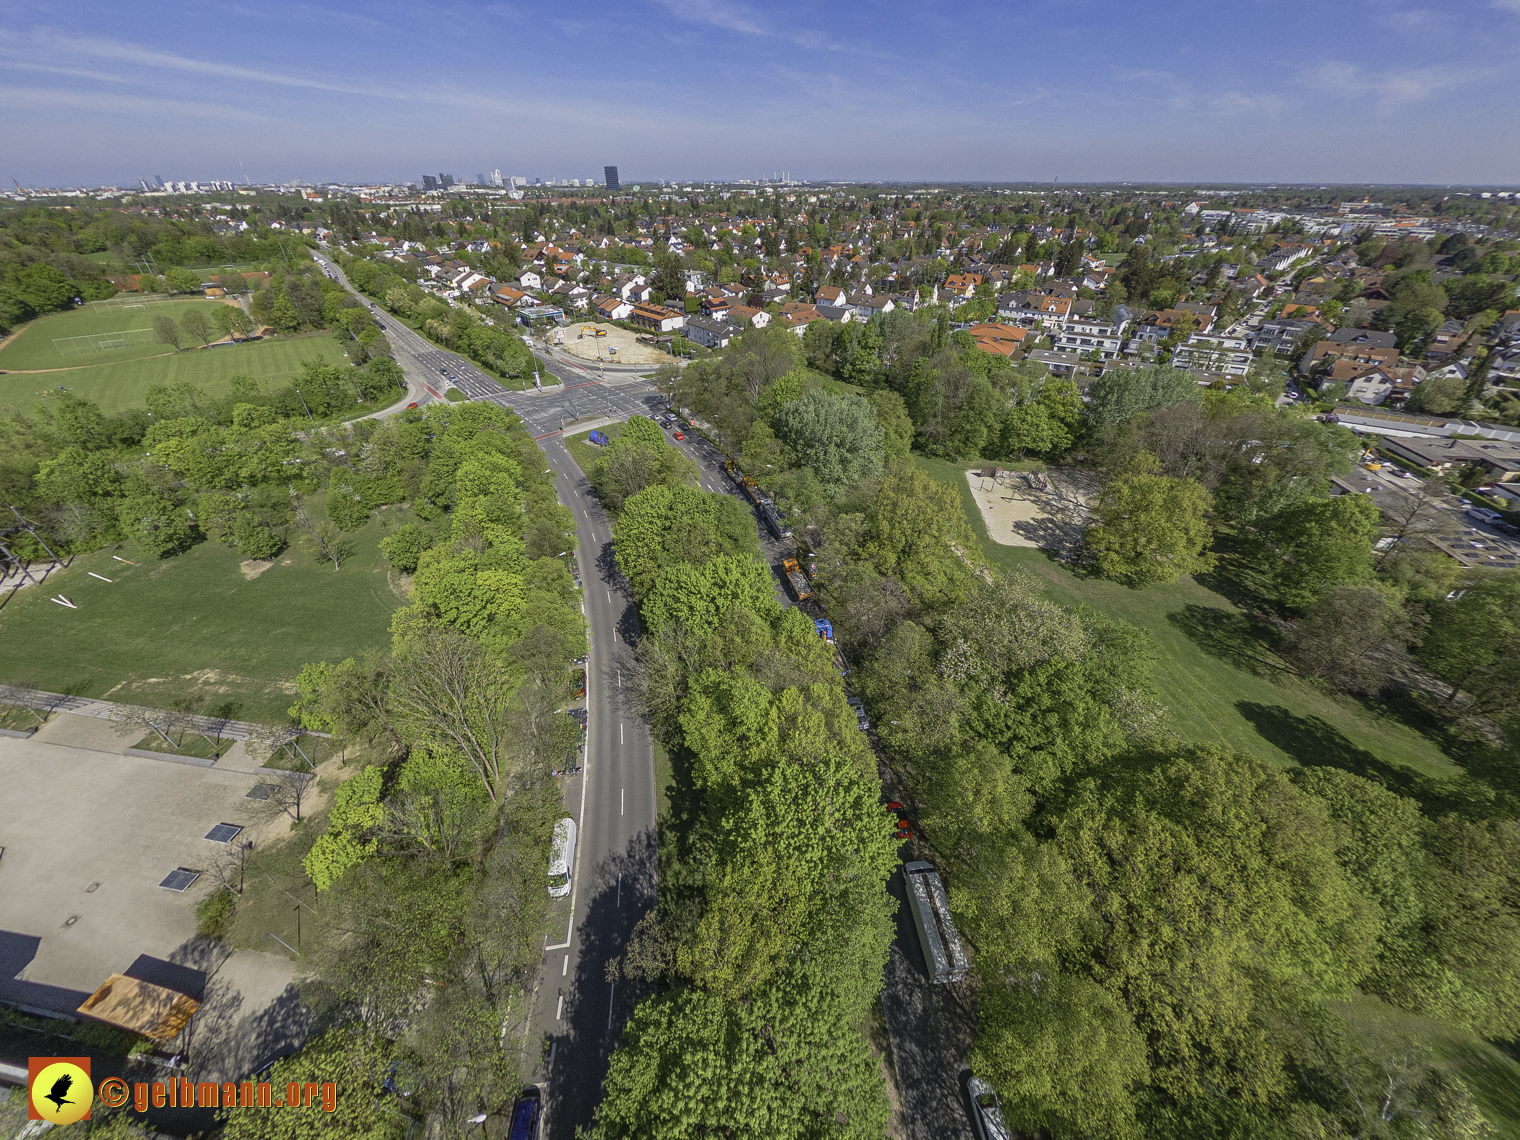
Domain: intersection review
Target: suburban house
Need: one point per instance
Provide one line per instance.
(758, 318)
(839, 314)
(657, 318)
(1057, 363)
(1279, 336)
(612, 308)
(530, 279)
(508, 295)
(716, 307)
(1499, 459)
(799, 319)
(711, 333)
(867, 306)
(831, 296)
(1365, 346)
(1031, 308)
(999, 339)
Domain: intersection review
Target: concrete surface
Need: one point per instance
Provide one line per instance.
(88, 834)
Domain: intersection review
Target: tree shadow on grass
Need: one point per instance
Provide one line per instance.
(1245, 641)
(1316, 743)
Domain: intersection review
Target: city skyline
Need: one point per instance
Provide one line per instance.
(1359, 94)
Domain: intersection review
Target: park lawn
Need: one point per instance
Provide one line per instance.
(125, 385)
(1221, 682)
(33, 348)
(194, 626)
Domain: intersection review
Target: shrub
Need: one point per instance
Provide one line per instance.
(213, 914)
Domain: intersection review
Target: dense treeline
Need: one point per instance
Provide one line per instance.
(1164, 934)
(457, 327)
(189, 466)
(430, 865)
(44, 267)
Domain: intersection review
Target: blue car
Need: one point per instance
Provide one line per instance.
(525, 1115)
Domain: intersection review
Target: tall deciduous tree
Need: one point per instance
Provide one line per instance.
(1150, 528)
(837, 436)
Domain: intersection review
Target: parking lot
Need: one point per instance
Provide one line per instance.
(87, 836)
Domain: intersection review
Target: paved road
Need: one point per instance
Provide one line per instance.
(577, 1011)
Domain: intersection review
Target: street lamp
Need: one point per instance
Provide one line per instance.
(309, 416)
(243, 849)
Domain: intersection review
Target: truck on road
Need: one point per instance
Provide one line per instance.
(775, 521)
(796, 579)
(944, 956)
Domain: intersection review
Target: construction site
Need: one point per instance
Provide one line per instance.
(607, 343)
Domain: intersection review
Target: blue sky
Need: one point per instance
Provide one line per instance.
(1235, 90)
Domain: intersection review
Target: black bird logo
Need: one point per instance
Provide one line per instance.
(60, 1091)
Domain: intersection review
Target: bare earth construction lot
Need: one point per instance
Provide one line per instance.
(629, 350)
(1018, 512)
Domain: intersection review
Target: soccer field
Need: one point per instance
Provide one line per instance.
(125, 384)
(34, 348)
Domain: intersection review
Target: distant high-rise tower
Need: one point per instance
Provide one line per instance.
(496, 177)
(445, 180)
(613, 185)
(429, 182)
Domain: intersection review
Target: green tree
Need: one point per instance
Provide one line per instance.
(197, 325)
(837, 436)
(182, 280)
(354, 1060)
(696, 597)
(785, 1065)
(404, 546)
(1150, 528)
(1121, 394)
(1318, 546)
(1472, 638)
(165, 331)
(664, 525)
(1439, 395)
(1354, 636)
(255, 539)
(158, 525)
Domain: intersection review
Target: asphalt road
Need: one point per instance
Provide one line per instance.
(577, 1011)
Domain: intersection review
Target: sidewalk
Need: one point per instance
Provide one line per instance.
(112, 710)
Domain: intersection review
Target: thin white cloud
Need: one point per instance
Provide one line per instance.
(1397, 86)
(729, 17)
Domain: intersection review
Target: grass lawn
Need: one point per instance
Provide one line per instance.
(1491, 1072)
(1221, 682)
(194, 626)
(583, 451)
(125, 384)
(34, 347)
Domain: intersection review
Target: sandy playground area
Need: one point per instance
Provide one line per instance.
(1048, 510)
(587, 346)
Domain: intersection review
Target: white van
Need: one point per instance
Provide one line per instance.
(562, 858)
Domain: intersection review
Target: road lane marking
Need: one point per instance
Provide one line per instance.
(620, 800)
(565, 969)
(559, 1010)
(611, 994)
(620, 895)
(620, 732)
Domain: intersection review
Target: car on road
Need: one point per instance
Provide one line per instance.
(987, 1111)
(904, 829)
(1484, 514)
(680, 435)
(382, 327)
(526, 1114)
(562, 858)
(413, 404)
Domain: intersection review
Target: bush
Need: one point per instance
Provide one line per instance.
(346, 507)
(256, 540)
(403, 548)
(213, 914)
